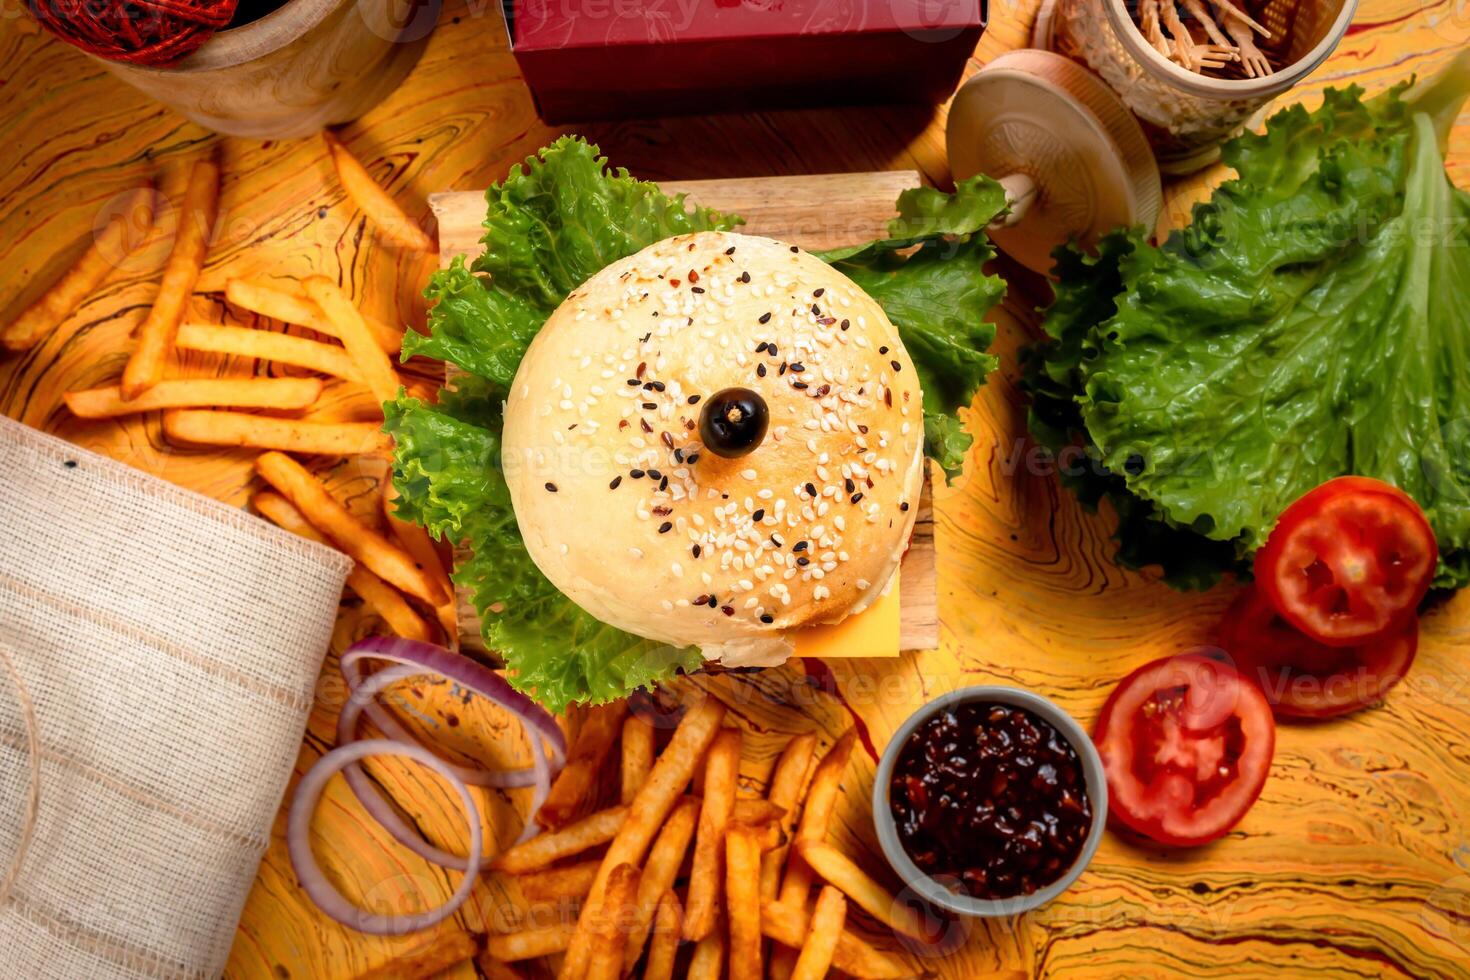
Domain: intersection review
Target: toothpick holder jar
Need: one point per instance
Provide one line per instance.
(1187, 115)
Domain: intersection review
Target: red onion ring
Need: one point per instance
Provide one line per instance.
(471, 676)
(314, 880)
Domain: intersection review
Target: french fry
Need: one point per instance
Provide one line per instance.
(544, 850)
(660, 870)
(280, 393)
(492, 969)
(742, 901)
(668, 925)
(637, 756)
(289, 303)
(646, 814)
(787, 782)
(826, 929)
(268, 345)
(755, 813)
(578, 777)
(512, 947)
(617, 910)
(572, 882)
(854, 956)
(416, 542)
(839, 870)
(373, 364)
(434, 956)
(721, 771)
(708, 962)
(77, 284)
(216, 428)
(185, 261)
(381, 597)
(821, 798)
(374, 201)
(375, 552)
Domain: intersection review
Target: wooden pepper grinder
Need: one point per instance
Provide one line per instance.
(1073, 160)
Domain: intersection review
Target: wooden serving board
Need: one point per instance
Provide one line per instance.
(816, 212)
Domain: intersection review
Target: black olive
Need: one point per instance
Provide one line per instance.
(733, 422)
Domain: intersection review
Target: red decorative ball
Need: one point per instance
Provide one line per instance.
(154, 33)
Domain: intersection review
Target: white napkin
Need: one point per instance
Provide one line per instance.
(171, 647)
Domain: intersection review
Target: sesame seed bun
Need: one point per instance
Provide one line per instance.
(634, 519)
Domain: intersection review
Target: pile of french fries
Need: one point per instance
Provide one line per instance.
(686, 875)
(352, 353)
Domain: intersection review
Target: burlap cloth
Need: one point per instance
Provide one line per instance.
(171, 647)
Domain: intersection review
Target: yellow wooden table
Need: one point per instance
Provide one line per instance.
(1355, 861)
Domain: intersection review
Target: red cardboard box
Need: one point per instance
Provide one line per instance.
(597, 59)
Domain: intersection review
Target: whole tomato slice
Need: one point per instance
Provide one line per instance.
(1186, 743)
(1348, 560)
(1306, 679)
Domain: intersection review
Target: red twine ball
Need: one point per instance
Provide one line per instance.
(153, 33)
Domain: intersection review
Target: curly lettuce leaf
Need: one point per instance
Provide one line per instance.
(930, 279)
(550, 225)
(1307, 324)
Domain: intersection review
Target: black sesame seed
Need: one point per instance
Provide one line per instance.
(772, 349)
(730, 250)
(655, 475)
(760, 513)
(883, 350)
(616, 482)
(764, 318)
(850, 485)
(760, 347)
(693, 458)
(665, 527)
(71, 464)
(818, 291)
(855, 497)
(551, 487)
(803, 561)
(695, 550)
(745, 277)
(760, 370)
(713, 602)
(811, 490)
(798, 367)
(696, 289)
(651, 406)
(657, 385)
(694, 399)
(636, 474)
(844, 324)
(767, 618)
(633, 382)
(795, 249)
(816, 310)
(663, 483)
(799, 546)
(800, 385)
(783, 368)
(904, 506)
(895, 365)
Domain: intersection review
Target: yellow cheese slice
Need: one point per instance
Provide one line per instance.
(871, 633)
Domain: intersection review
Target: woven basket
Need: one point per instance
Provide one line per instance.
(1187, 116)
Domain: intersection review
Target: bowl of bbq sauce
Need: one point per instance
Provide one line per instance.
(990, 801)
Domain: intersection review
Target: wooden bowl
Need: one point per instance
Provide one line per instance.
(303, 66)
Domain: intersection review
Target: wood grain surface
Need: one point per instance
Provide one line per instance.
(817, 211)
(1356, 861)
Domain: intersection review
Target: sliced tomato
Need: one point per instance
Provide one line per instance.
(1349, 560)
(1186, 743)
(1306, 679)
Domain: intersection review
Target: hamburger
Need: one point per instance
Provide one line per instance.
(673, 443)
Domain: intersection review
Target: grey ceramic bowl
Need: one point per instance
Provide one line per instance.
(935, 892)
